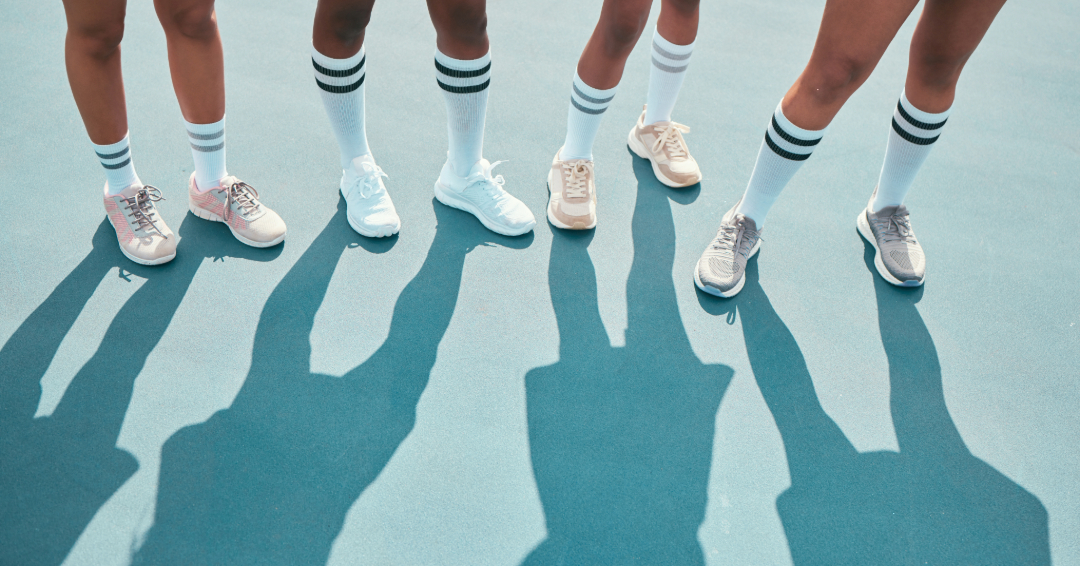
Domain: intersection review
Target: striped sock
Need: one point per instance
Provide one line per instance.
(464, 85)
(913, 135)
(669, 63)
(782, 152)
(341, 85)
(208, 151)
(587, 106)
(119, 170)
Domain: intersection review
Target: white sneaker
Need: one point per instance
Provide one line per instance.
(483, 196)
(370, 211)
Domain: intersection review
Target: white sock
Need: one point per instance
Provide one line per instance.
(587, 106)
(669, 63)
(913, 134)
(208, 151)
(782, 152)
(341, 85)
(119, 169)
(464, 85)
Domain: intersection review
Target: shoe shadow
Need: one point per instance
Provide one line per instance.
(932, 502)
(270, 479)
(621, 438)
(57, 471)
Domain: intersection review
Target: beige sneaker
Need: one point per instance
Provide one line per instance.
(663, 145)
(236, 203)
(572, 200)
(143, 236)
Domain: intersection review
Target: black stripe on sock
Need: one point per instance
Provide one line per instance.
(120, 153)
(790, 138)
(783, 152)
(117, 165)
(913, 139)
(463, 89)
(454, 73)
(343, 88)
(343, 73)
(916, 123)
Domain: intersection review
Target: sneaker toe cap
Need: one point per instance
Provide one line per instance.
(268, 228)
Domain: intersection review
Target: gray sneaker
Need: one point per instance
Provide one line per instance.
(721, 271)
(899, 258)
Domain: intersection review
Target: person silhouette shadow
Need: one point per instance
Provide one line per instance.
(621, 438)
(270, 479)
(56, 471)
(933, 502)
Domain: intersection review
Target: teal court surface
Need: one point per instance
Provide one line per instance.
(452, 397)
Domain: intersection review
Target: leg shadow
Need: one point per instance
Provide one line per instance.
(270, 479)
(932, 502)
(621, 438)
(57, 471)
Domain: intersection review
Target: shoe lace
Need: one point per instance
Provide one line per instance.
(577, 176)
(492, 186)
(244, 195)
(369, 180)
(142, 208)
(672, 141)
(895, 228)
(735, 238)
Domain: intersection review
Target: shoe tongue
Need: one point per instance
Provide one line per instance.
(358, 163)
(747, 221)
(131, 191)
(888, 211)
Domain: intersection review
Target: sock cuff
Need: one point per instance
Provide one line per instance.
(669, 49)
(920, 115)
(206, 132)
(113, 150)
(469, 65)
(588, 99)
(793, 130)
(350, 64)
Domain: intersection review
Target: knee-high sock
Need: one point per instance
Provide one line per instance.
(587, 106)
(465, 89)
(784, 149)
(669, 63)
(341, 85)
(912, 136)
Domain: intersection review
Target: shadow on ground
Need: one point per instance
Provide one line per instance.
(621, 438)
(57, 471)
(270, 479)
(932, 502)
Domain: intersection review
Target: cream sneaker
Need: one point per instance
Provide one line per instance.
(236, 203)
(663, 145)
(143, 236)
(571, 194)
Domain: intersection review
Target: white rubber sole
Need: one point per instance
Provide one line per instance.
(562, 225)
(207, 215)
(447, 197)
(639, 150)
(381, 232)
(139, 261)
(730, 292)
(868, 235)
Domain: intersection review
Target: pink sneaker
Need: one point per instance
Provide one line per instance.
(143, 236)
(236, 203)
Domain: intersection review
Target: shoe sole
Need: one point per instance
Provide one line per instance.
(207, 215)
(446, 197)
(562, 225)
(730, 292)
(864, 230)
(639, 150)
(384, 232)
(140, 261)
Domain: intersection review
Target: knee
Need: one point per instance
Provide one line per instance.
(623, 31)
(99, 40)
(938, 71)
(682, 7)
(194, 20)
(464, 21)
(837, 78)
(350, 23)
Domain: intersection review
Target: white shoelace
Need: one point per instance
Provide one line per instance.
(369, 180)
(671, 139)
(492, 186)
(577, 176)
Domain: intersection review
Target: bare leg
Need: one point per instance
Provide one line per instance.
(92, 56)
(678, 21)
(461, 27)
(947, 35)
(340, 26)
(620, 26)
(851, 40)
(195, 58)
